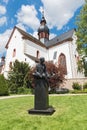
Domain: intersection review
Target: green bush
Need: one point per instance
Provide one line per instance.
(23, 90)
(17, 77)
(76, 91)
(12, 88)
(85, 90)
(76, 86)
(3, 86)
(85, 85)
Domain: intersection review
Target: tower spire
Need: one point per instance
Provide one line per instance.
(43, 30)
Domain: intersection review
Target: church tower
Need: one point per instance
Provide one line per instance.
(43, 31)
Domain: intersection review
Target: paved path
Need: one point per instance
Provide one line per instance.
(15, 96)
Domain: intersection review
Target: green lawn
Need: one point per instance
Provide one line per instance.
(70, 114)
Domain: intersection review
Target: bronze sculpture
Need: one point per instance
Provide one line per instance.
(41, 98)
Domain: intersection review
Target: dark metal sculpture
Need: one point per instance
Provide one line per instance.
(41, 101)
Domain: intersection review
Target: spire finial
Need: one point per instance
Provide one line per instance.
(42, 12)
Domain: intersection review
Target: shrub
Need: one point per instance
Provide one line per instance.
(85, 85)
(23, 90)
(59, 91)
(17, 76)
(3, 86)
(85, 90)
(62, 90)
(75, 91)
(76, 86)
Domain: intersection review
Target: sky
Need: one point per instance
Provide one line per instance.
(26, 14)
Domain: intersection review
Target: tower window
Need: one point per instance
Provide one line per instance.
(14, 52)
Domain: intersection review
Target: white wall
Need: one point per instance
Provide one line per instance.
(23, 46)
(16, 42)
(62, 48)
(31, 48)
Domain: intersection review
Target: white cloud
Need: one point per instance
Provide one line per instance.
(35, 34)
(59, 12)
(3, 20)
(52, 35)
(27, 15)
(20, 25)
(3, 40)
(6, 1)
(2, 10)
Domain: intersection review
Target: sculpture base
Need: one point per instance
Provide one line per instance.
(48, 111)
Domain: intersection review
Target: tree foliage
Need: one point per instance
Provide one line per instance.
(17, 75)
(56, 75)
(82, 36)
(3, 86)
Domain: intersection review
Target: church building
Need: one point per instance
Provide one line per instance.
(60, 50)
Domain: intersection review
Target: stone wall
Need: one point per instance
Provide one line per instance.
(68, 83)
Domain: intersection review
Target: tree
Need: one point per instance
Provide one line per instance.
(82, 37)
(16, 77)
(4, 90)
(56, 75)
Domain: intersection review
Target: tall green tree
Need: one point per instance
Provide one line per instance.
(4, 90)
(16, 76)
(82, 37)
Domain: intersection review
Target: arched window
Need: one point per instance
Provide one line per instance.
(10, 65)
(37, 54)
(14, 52)
(62, 62)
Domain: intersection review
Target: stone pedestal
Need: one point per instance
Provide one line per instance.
(48, 111)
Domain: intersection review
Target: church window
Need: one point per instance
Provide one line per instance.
(14, 52)
(10, 65)
(37, 54)
(62, 62)
(55, 54)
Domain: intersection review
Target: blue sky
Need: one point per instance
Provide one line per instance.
(26, 14)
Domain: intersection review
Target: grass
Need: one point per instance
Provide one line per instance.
(71, 114)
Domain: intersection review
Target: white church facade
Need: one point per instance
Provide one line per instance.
(60, 50)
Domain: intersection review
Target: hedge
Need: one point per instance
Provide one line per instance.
(3, 86)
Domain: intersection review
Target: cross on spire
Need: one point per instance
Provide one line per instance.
(43, 13)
